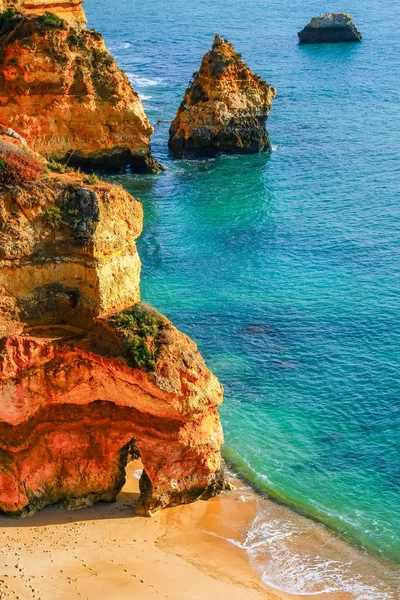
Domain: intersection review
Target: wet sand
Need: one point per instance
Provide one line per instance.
(106, 552)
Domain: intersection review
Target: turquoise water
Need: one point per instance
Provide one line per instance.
(303, 242)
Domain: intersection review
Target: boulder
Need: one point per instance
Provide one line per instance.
(332, 27)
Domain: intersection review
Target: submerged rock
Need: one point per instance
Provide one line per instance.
(89, 376)
(62, 91)
(332, 27)
(224, 109)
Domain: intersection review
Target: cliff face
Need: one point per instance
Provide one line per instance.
(67, 250)
(70, 10)
(62, 91)
(224, 109)
(71, 418)
(328, 28)
(89, 376)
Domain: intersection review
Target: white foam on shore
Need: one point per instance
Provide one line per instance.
(277, 547)
(144, 97)
(271, 547)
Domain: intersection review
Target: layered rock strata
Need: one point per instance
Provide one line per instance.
(90, 377)
(70, 10)
(332, 27)
(67, 251)
(62, 91)
(224, 109)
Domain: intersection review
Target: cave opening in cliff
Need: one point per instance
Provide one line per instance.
(133, 469)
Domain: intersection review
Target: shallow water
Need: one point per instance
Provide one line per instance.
(285, 268)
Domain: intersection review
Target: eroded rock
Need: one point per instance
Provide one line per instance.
(70, 417)
(89, 376)
(224, 109)
(62, 91)
(67, 250)
(70, 10)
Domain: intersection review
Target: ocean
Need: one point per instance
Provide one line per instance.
(285, 267)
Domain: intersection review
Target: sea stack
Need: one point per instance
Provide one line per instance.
(332, 27)
(224, 109)
(62, 91)
(90, 377)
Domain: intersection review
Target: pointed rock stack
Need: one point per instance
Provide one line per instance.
(224, 109)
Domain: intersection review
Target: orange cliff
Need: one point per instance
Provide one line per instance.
(62, 91)
(224, 109)
(70, 10)
(91, 378)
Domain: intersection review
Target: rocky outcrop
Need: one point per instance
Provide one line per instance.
(63, 260)
(332, 27)
(89, 376)
(224, 109)
(62, 91)
(70, 10)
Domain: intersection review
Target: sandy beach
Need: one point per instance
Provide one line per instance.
(107, 552)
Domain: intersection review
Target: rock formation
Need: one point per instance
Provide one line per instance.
(224, 109)
(70, 10)
(89, 376)
(332, 27)
(62, 91)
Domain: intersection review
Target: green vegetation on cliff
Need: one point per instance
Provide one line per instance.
(145, 330)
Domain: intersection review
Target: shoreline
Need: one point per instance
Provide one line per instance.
(188, 552)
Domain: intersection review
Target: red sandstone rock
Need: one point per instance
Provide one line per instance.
(70, 419)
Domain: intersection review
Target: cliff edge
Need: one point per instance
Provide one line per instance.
(69, 10)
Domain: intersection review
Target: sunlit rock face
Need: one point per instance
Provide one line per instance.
(89, 376)
(67, 250)
(224, 109)
(70, 10)
(62, 91)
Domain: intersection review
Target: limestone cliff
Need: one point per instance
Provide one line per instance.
(89, 376)
(328, 28)
(70, 10)
(62, 91)
(224, 109)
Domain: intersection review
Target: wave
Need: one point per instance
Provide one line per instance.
(141, 81)
(271, 547)
(120, 46)
(296, 555)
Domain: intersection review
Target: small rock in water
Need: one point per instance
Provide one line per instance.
(256, 328)
(284, 364)
(328, 28)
